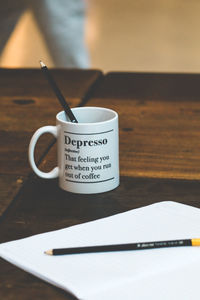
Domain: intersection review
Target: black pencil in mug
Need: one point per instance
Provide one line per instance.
(58, 93)
(125, 247)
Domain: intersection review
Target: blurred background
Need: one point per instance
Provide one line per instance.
(128, 35)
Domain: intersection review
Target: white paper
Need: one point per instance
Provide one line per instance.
(167, 274)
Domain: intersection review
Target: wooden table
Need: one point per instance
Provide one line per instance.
(159, 154)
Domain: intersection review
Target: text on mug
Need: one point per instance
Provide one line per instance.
(79, 143)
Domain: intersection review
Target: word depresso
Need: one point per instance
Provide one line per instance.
(80, 143)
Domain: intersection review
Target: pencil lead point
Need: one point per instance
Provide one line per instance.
(48, 252)
(42, 64)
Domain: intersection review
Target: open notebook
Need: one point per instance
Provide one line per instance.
(167, 274)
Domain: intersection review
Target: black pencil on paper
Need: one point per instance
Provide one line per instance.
(58, 93)
(124, 247)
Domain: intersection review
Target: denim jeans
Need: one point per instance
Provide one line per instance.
(61, 23)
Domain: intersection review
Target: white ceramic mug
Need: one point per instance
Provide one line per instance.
(88, 151)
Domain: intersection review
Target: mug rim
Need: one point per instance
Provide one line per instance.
(87, 123)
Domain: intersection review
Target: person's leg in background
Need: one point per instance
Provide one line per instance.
(62, 24)
(10, 12)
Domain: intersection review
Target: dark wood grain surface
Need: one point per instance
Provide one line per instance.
(27, 103)
(159, 161)
(159, 122)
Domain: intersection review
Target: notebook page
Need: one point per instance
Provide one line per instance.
(95, 275)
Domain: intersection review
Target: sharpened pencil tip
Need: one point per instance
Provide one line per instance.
(49, 252)
(42, 64)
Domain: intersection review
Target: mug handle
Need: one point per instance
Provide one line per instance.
(46, 129)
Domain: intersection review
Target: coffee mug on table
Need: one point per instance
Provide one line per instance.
(88, 151)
